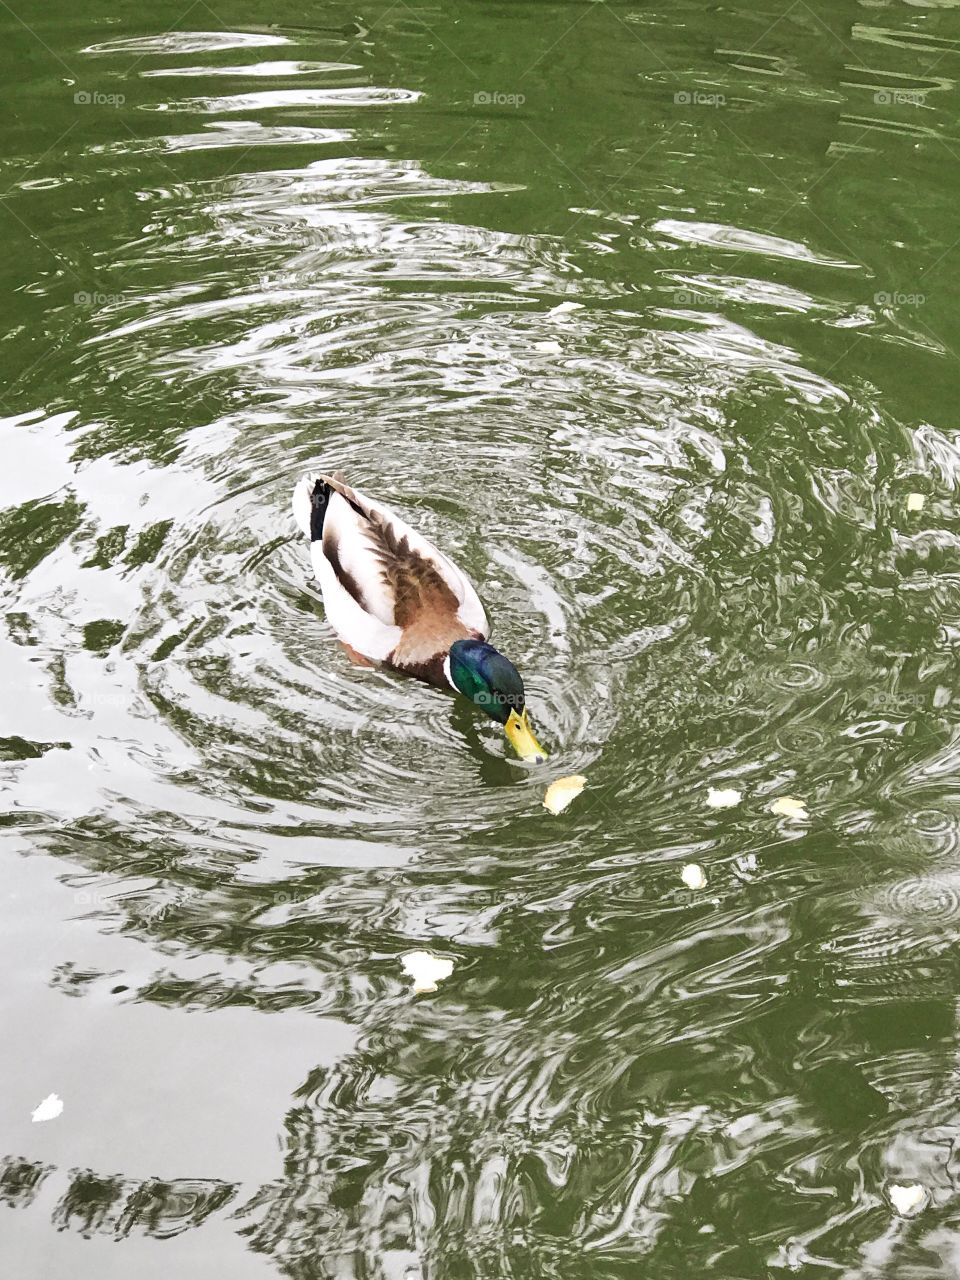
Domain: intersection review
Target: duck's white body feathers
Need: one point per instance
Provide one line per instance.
(389, 594)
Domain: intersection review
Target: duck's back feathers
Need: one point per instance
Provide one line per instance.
(303, 494)
(344, 600)
(388, 592)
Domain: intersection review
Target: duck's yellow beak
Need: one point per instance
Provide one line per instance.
(520, 736)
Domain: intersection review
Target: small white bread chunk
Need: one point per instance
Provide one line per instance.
(49, 1109)
(426, 969)
(723, 797)
(907, 1200)
(694, 876)
(789, 807)
(563, 792)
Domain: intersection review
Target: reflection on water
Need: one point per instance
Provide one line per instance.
(640, 315)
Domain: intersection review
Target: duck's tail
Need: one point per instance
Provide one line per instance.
(310, 498)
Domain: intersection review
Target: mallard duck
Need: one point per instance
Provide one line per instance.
(394, 600)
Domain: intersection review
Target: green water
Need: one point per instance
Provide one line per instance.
(646, 314)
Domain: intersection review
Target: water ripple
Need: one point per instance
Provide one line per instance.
(640, 385)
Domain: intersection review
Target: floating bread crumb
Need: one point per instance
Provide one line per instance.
(907, 1200)
(426, 969)
(723, 797)
(49, 1109)
(789, 807)
(694, 876)
(915, 501)
(563, 792)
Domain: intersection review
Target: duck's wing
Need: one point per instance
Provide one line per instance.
(349, 592)
(388, 591)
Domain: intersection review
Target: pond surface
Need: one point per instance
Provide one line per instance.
(646, 313)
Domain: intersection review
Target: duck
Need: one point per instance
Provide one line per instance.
(395, 601)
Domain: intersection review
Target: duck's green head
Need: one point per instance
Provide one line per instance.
(491, 681)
